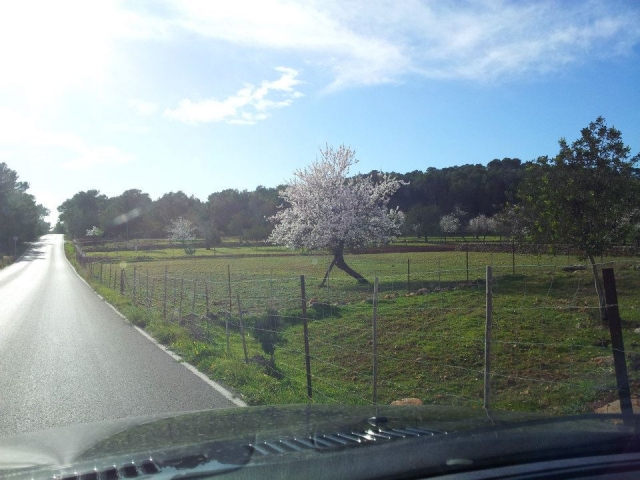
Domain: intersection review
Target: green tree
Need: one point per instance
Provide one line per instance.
(585, 198)
(422, 220)
(169, 207)
(20, 215)
(124, 215)
(81, 212)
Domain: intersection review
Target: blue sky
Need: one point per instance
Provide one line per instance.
(200, 96)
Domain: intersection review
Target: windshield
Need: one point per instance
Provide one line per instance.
(221, 205)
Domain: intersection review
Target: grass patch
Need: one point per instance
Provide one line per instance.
(550, 352)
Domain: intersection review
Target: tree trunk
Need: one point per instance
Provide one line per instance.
(338, 261)
(599, 289)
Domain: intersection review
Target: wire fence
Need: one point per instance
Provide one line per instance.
(407, 335)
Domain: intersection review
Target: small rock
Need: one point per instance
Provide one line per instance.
(574, 268)
(408, 401)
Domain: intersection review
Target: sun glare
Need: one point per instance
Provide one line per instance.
(46, 47)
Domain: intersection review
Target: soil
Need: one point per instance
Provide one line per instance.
(614, 407)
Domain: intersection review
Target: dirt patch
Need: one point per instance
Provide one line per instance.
(614, 407)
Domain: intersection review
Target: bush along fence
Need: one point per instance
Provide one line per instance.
(529, 341)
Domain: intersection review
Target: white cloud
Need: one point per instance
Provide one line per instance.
(48, 48)
(374, 42)
(249, 105)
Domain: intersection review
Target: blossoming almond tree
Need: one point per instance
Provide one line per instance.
(183, 231)
(327, 209)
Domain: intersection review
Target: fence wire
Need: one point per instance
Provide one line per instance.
(550, 351)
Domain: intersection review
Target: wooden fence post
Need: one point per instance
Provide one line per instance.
(307, 356)
(134, 284)
(193, 303)
(271, 291)
(164, 297)
(466, 247)
(181, 296)
(375, 341)
(150, 298)
(122, 281)
(206, 297)
(226, 322)
(244, 342)
(617, 345)
(487, 337)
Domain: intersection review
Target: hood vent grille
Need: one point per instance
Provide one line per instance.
(338, 440)
(128, 470)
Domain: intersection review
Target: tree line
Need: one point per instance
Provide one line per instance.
(586, 197)
(21, 218)
(133, 214)
(468, 191)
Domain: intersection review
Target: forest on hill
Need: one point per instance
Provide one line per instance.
(466, 192)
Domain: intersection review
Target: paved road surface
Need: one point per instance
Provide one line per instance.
(66, 357)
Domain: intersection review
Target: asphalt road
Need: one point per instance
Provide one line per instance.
(66, 357)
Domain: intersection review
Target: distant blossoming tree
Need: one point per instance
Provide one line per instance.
(482, 225)
(449, 224)
(183, 231)
(324, 208)
(94, 232)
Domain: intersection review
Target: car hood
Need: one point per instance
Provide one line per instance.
(204, 443)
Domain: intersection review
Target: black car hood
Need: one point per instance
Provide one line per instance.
(211, 442)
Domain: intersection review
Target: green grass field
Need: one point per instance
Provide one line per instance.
(550, 351)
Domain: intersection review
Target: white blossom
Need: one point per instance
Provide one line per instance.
(324, 208)
(182, 230)
(482, 225)
(94, 232)
(449, 223)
